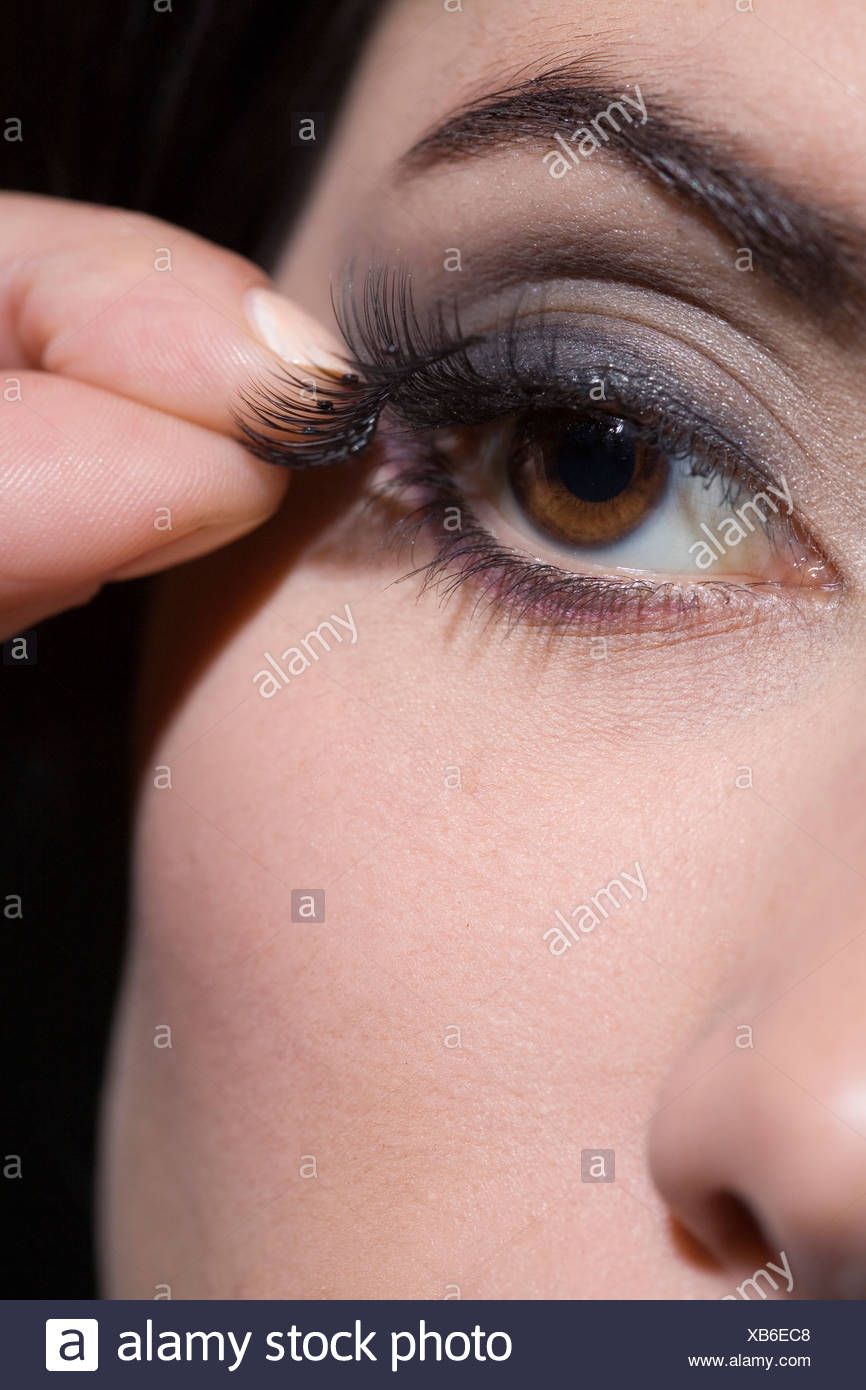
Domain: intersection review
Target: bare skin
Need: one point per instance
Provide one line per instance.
(394, 1102)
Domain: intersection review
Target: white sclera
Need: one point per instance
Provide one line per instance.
(670, 540)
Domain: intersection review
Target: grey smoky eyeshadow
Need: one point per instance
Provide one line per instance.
(423, 361)
(558, 361)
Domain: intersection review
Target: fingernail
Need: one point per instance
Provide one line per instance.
(290, 332)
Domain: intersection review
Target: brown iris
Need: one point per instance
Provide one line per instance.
(588, 481)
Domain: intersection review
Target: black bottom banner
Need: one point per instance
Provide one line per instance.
(408, 1344)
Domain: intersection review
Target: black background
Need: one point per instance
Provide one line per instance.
(188, 115)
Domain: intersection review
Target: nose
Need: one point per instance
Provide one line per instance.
(759, 1142)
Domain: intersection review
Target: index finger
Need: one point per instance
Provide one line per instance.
(130, 304)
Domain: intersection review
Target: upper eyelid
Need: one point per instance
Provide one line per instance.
(384, 299)
(744, 350)
(763, 363)
(564, 259)
(730, 457)
(700, 421)
(709, 319)
(391, 347)
(392, 284)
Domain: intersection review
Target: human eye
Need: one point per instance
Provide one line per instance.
(557, 463)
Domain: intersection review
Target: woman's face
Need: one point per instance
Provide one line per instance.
(513, 946)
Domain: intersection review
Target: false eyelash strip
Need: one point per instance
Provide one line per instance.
(308, 422)
(325, 417)
(431, 374)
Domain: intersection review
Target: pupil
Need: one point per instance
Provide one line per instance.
(595, 459)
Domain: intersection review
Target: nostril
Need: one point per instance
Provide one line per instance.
(687, 1245)
(739, 1238)
(727, 1235)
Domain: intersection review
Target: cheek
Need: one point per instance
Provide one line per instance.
(421, 884)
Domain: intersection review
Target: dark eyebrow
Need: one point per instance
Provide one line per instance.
(817, 255)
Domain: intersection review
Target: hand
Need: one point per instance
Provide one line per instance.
(124, 343)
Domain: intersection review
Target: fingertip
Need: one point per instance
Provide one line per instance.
(290, 332)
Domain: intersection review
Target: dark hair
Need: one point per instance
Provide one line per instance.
(180, 108)
(184, 109)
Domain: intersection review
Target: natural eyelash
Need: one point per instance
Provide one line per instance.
(523, 590)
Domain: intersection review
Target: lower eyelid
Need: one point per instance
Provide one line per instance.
(511, 586)
(773, 543)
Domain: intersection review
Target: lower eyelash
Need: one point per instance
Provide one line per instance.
(518, 590)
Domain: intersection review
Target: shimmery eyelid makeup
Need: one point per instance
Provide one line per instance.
(425, 374)
(414, 364)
